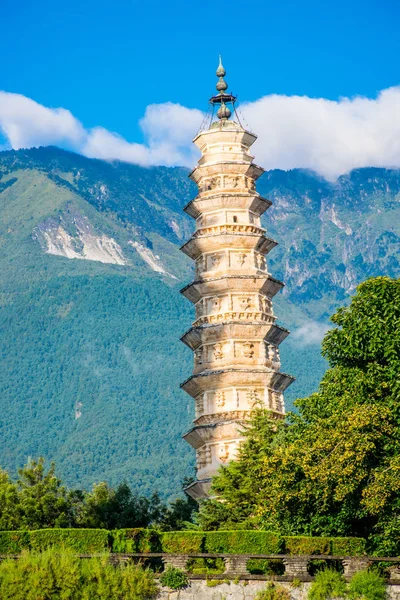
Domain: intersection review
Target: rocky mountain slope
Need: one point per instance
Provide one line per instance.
(91, 315)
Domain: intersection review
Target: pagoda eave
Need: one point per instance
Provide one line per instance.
(199, 490)
(254, 203)
(269, 332)
(196, 384)
(264, 284)
(219, 241)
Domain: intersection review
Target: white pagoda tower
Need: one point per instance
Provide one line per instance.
(234, 338)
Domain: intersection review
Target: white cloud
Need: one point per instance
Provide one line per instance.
(309, 334)
(330, 137)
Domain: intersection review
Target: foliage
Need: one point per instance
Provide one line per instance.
(174, 578)
(183, 542)
(85, 541)
(136, 540)
(328, 584)
(243, 542)
(334, 468)
(367, 585)
(65, 577)
(260, 566)
(307, 545)
(206, 566)
(349, 546)
(273, 592)
(39, 500)
(12, 542)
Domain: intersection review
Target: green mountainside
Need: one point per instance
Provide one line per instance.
(91, 315)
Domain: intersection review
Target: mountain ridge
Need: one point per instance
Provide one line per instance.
(90, 350)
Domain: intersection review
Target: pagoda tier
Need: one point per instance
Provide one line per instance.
(234, 337)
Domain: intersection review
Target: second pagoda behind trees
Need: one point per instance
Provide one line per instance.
(234, 337)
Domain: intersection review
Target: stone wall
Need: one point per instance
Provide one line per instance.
(245, 590)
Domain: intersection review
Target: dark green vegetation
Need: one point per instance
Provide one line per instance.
(90, 355)
(61, 575)
(335, 468)
(39, 500)
(173, 578)
(176, 542)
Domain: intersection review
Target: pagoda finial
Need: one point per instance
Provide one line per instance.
(221, 86)
(220, 71)
(222, 98)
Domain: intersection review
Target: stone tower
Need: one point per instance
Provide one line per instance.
(234, 337)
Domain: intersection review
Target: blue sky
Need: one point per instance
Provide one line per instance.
(106, 61)
(318, 81)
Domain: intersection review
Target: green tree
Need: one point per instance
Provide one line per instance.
(10, 515)
(333, 468)
(43, 500)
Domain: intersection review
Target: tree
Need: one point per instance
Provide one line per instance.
(333, 468)
(43, 500)
(10, 516)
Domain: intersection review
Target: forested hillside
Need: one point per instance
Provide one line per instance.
(91, 315)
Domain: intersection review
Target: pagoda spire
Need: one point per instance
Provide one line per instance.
(223, 98)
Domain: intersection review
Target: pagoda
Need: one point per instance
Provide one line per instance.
(234, 336)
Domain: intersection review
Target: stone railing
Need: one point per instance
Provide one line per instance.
(296, 566)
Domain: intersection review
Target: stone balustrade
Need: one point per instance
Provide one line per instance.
(296, 566)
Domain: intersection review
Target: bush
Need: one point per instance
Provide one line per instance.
(12, 542)
(55, 575)
(182, 542)
(348, 546)
(173, 578)
(273, 592)
(135, 540)
(84, 541)
(206, 566)
(261, 566)
(307, 545)
(368, 585)
(242, 542)
(328, 584)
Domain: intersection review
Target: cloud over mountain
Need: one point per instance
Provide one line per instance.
(329, 137)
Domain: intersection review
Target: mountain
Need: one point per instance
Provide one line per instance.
(91, 315)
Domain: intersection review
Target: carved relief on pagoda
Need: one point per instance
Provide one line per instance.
(259, 261)
(234, 306)
(272, 356)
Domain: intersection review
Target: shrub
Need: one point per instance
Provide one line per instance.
(328, 584)
(173, 578)
(62, 575)
(84, 541)
(368, 585)
(261, 566)
(135, 540)
(242, 542)
(273, 592)
(348, 546)
(206, 566)
(307, 545)
(182, 542)
(12, 542)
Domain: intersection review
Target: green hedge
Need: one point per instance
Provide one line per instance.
(178, 542)
(348, 546)
(324, 545)
(243, 542)
(84, 541)
(12, 542)
(135, 540)
(183, 542)
(306, 545)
